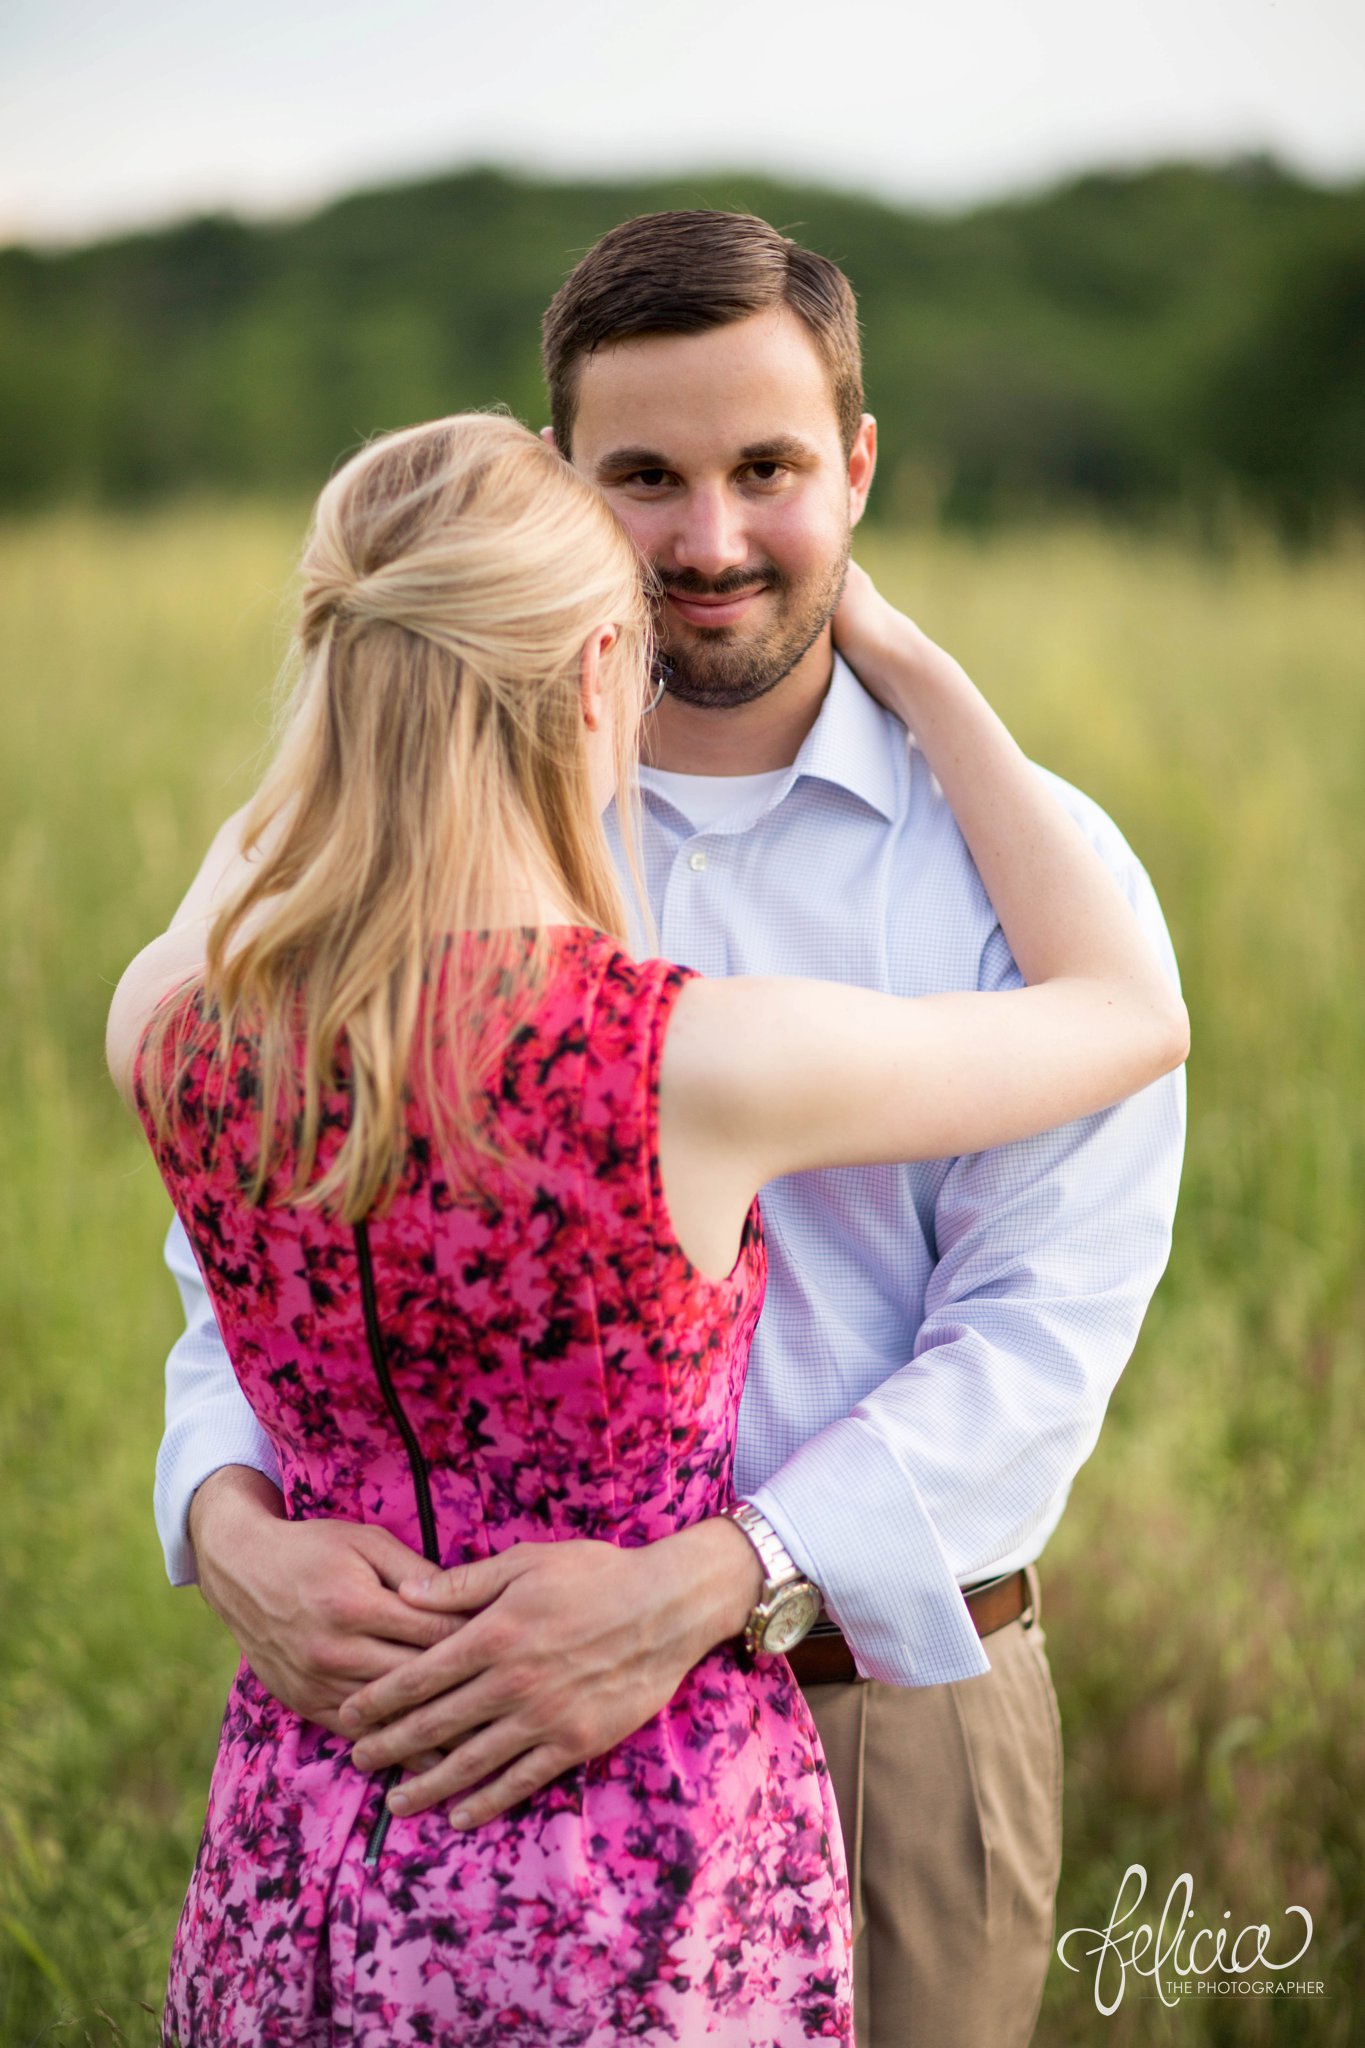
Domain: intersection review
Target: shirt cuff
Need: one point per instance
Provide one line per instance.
(220, 1433)
(894, 1596)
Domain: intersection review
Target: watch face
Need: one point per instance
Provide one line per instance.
(793, 1612)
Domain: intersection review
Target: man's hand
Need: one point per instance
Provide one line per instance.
(313, 1605)
(575, 1646)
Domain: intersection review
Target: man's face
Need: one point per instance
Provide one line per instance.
(721, 453)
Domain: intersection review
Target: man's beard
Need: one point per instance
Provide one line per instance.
(719, 669)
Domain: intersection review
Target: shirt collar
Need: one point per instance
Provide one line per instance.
(849, 744)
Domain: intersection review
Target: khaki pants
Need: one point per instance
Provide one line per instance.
(951, 1803)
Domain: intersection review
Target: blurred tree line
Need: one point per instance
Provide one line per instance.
(1181, 337)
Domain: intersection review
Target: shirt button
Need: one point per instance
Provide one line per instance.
(696, 861)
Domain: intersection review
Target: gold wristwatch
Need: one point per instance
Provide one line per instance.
(788, 1604)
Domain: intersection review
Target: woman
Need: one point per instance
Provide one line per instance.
(474, 1195)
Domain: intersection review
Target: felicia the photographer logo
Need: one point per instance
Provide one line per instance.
(1185, 1959)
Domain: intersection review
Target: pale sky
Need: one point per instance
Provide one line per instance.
(116, 113)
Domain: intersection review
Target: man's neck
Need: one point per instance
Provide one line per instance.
(750, 739)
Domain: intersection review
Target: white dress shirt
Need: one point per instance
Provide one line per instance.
(939, 1341)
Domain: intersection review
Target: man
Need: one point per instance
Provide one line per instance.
(939, 1341)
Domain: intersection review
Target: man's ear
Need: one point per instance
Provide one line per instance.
(547, 435)
(862, 462)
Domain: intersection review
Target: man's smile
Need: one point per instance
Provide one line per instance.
(724, 610)
(732, 637)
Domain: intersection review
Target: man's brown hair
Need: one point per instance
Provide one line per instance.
(685, 272)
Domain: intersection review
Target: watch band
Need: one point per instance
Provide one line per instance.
(778, 1563)
(785, 1587)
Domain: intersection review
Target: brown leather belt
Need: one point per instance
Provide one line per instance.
(824, 1658)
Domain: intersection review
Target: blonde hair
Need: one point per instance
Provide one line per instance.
(434, 754)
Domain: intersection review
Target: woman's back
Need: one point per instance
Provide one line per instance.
(534, 1362)
(537, 1360)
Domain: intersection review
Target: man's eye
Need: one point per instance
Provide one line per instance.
(650, 478)
(765, 472)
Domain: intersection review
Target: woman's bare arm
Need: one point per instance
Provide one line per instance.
(174, 957)
(763, 1077)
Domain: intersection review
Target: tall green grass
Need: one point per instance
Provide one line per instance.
(1205, 1596)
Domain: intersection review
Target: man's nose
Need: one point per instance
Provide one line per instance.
(711, 538)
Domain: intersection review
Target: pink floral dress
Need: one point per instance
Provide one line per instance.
(541, 1364)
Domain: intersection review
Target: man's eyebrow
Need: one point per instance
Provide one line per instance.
(618, 460)
(778, 448)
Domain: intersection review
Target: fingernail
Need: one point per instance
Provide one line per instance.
(461, 1817)
(416, 1585)
(399, 1802)
(349, 1717)
(361, 1759)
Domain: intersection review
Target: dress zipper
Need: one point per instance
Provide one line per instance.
(421, 1486)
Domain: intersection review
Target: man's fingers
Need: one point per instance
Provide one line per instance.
(430, 1698)
(440, 1724)
(465, 1586)
(524, 1775)
(489, 1751)
(346, 1662)
(438, 1631)
(384, 1616)
(427, 1761)
(391, 1558)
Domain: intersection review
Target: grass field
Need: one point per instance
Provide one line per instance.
(1205, 1597)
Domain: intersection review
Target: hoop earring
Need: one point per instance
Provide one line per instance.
(663, 675)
